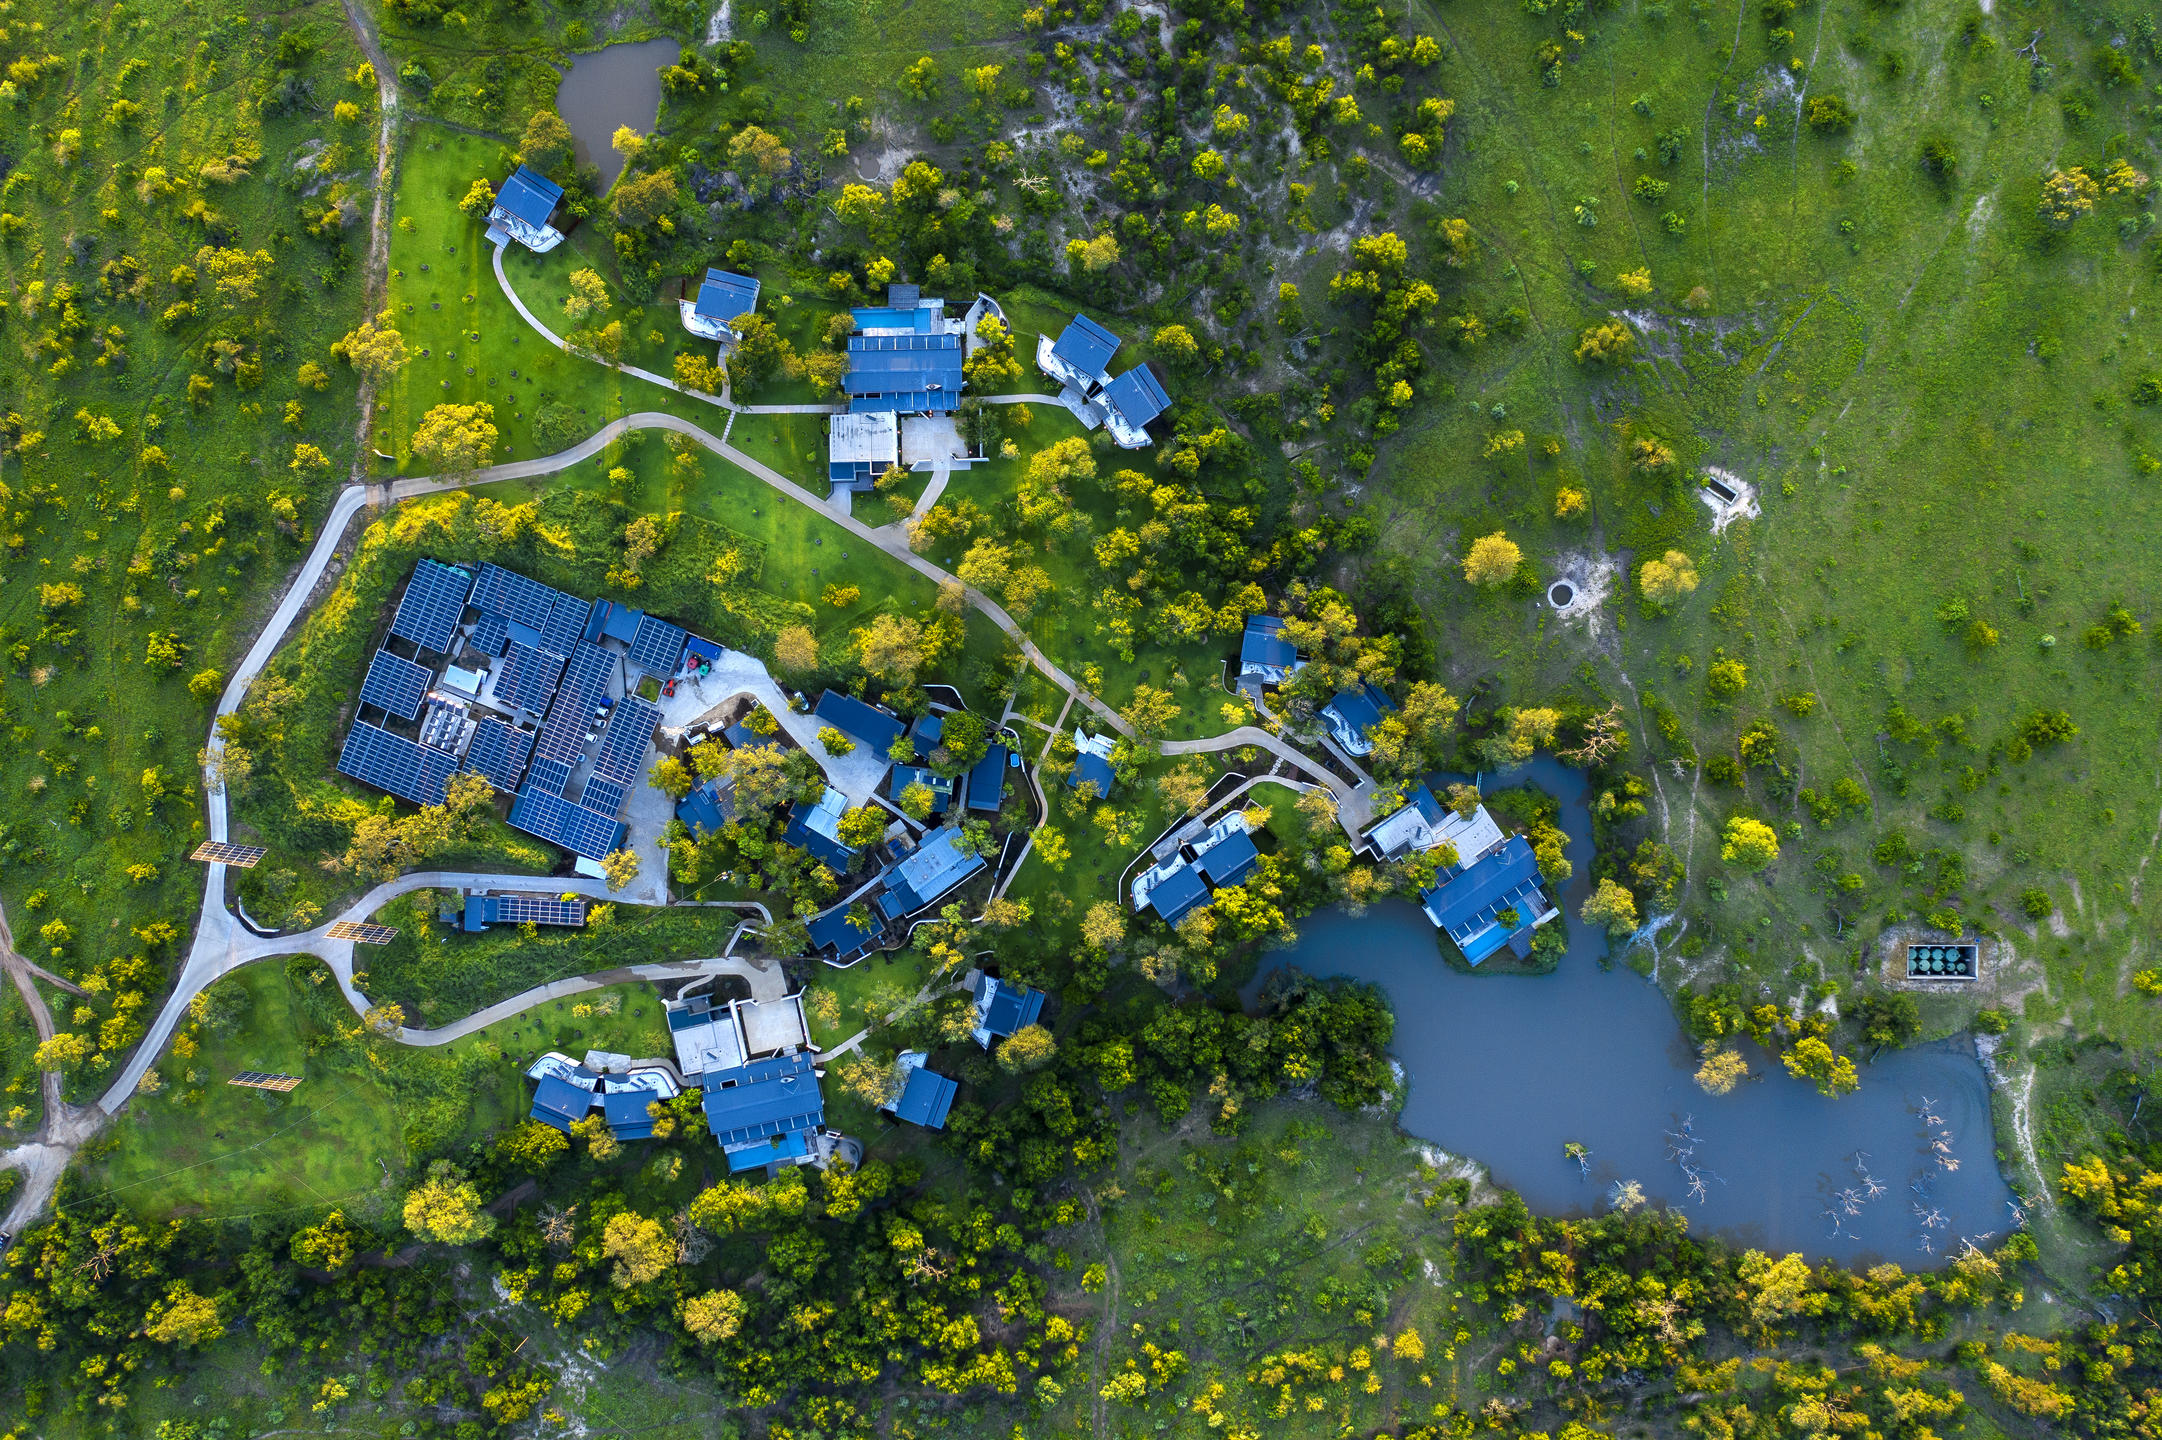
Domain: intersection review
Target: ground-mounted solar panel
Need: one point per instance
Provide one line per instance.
(603, 795)
(657, 646)
(361, 932)
(552, 818)
(566, 624)
(531, 910)
(434, 601)
(528, 678)
(395, 685)
(265, 1080)
(499, 752)
(219, 852)
(393, 763)
(491, 633)
(546, 773)
(624, 743)
(513, 596)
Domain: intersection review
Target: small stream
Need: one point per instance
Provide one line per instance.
(608, 89)
(1508, 1069)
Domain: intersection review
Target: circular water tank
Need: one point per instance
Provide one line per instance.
(1560, 594)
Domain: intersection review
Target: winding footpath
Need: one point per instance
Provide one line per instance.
(222, 944)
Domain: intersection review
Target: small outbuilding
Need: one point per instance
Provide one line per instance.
(1002, 1008)
(1353, 714)
(925, 1095)
(1264, 654)
(1130, 403)
(723, 298)
(524, 204)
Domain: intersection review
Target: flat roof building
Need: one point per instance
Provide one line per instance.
(1423, 822)
(861, 445)
(765, 1112)
(1469, 905)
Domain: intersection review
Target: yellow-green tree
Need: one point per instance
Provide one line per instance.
(642, 1248)
(1667, 579)
(1612, 906)
(714, 1316)
(457, 437)
(1493, 559)
(1748, 844)
(446, 1208)
(183, 1318)
(373, 347)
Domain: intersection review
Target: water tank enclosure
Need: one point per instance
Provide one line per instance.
(1720, 488)
(1960, 960)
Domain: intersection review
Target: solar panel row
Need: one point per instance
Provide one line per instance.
(584, 685)
(528, 909)
(514, 596)
(624, 743)
(490, 634)
(265, 1080)
(657, 646)
(549, 775)
(222, 853)
(395, 685)
(566, 624)
(603, 796)
(434, 601)
(528, 678)
(552, 818)
(500, 752)
(390, 762)
(362, 932)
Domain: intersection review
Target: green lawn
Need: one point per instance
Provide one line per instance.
(885, 980)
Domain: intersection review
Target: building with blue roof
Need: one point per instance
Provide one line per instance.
(986, 784)
(816, 829)
(907, 374)
(1422, 823)
(1171, 890)
(867, 724)
(1003, 1008)
(841, 930)
(561, 1102)
(1228, 859)
(861, 446)
(1130, 403)
(1470, 903)
(1353, 714)
(1264, 654)
(766, 1112)
(903, 776)
(481, 911)
(925, 1095)
(1080, 357)
(723, 298)
(625, 1111)
(708, 807)
(1092, 763)
(933, 869)
(926, 730)
(523, 206)
(1187, 873)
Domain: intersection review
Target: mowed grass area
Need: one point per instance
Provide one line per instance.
(1832, 358)
(870, 989)
(232, 1151)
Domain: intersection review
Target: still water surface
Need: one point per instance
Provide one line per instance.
(610, 88)
(1509, 1069)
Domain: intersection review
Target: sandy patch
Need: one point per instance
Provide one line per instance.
(1589, 574)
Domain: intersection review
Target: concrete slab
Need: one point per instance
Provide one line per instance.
(773, 1025)
(856, 775)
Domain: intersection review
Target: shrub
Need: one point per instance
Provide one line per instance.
(1828, 113)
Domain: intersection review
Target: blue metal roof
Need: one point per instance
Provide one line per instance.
(1088, 766)
(838, 931)
(434, 600)
(1086, 346)
(925, 1099)
(1137, 396)
(1003, 1007)
(853, 718)
(917, 318)
(904, 776)
(559, 1103)
(777, 1096)
(929, 871)
(1229, 860)
(626, 1112)
(529, 196)
(904, 372)
(987, 782)
(1360, 710)
(1505, 877)
(1264, 643)
(724, 295)
(700, 811)
(835, 856)
(1177, 893)
(927, 730)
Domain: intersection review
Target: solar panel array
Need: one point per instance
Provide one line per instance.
(265, 1080)
(603, 796)
(549, 775)
(531, 910)
(390, 762)
(490, 634)
(566, 624)
(434, 601)
(395, 685)
(499, 752)
(554, 819)
(657, 646)
(220, 853)
(513, 596)
(584, 686)
(528, 678)
(624, 743)
(362, 932)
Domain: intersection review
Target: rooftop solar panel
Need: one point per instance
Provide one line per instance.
(529, 909)
(624, 742)
(528, 678)
(390, 762)
(362, 932)
(499, 752)
(549, 775)
(657, 646)
(434, 600)
(218, 852)
(513, 596)
(603, 796)
(554, 819)
(490, 634)
(584, 686)
(394, 685)
(566, 624)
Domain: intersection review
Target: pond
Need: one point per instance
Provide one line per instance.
(1507, 1070)
(608, 89)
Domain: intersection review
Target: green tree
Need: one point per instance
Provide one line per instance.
(1612, 906)
(548, 142)
(1493, 559)
(457, 437)
(1812, 1059)
(1748, 844)
(446, 1207)
(1029, 1048)
(373, 347)
(478, 201)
